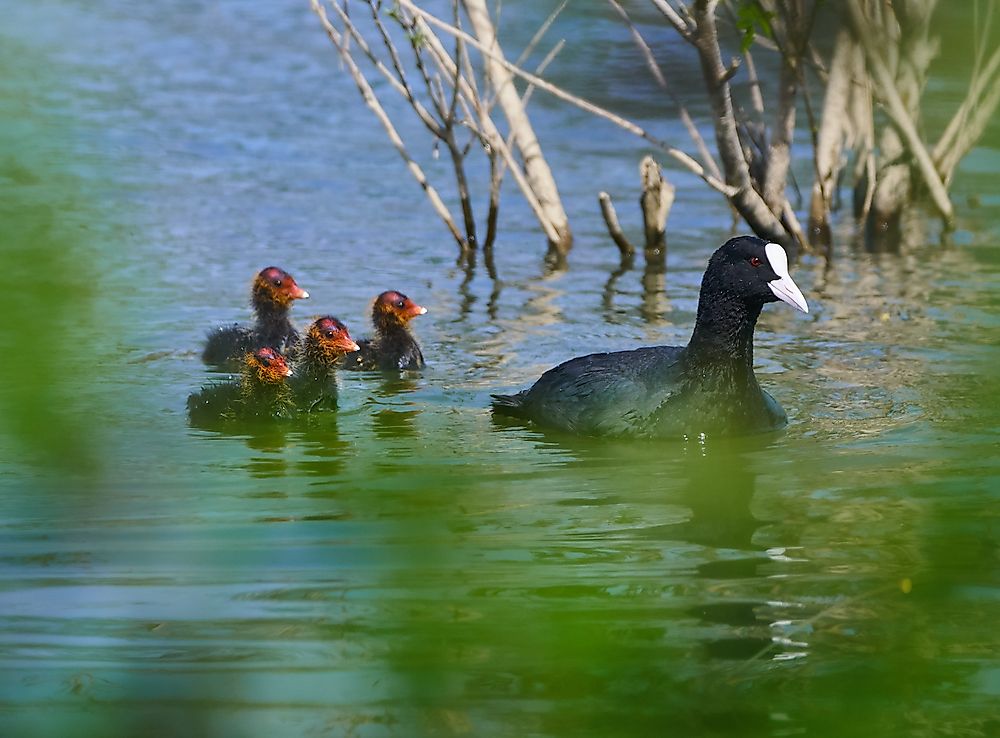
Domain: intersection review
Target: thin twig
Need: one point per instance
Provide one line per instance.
(425, 116)
(654, 68)
(490, 133)
(539, 34)
(373, 103)
(682, 27)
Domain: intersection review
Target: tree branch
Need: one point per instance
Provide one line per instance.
(371, 100)
(684, 158)
(699, 141)
(536, 169)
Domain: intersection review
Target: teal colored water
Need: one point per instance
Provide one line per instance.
(408, 567)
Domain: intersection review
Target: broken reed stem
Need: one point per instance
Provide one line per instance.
(625, 247)
(656, 200)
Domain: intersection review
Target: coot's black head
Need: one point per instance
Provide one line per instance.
(753, 269)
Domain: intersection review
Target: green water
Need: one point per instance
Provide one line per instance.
(408, 567)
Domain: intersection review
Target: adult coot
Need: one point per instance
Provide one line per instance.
(707, 386)
(393, 346)
(271, 297)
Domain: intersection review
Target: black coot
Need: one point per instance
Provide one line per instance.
(707, 386)
(271, 297)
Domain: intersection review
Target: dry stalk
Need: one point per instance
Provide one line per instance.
(897, 111)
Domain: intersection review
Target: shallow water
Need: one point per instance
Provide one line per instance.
(409, 566)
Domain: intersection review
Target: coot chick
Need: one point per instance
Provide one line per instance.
(707, 386)
(260, 393)
(393, 347)
(325, 344)
(271, 297)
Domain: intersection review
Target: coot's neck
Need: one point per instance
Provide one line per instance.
(390, 328)
(275, 394)
(723, 334)
(271, 314)
(318, 359)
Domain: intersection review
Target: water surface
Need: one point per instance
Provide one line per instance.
(408, 566)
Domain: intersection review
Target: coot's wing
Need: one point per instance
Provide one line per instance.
(227, 344)
(603, 394)
(208, 406)
(363, 359)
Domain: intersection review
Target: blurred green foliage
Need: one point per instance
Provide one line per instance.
(48, 252)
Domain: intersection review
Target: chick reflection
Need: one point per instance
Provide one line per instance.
(271, 442)
(392, 417)
(325, 451)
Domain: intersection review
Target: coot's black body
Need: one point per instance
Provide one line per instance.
(271, 298)
(392, 351)
(707, 386)
(393, 347)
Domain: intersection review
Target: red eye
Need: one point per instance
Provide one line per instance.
(754, 261)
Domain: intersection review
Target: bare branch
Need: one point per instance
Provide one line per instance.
(386, 41)
(746, 200)
(539, 34)
(779, 155)
(425, 116)
(371, 100)
(753, 81)
(679, 24)
(536, 169)
(699, 141)
(969, 120)
(531, 88)
(490, 134)
(836, 128)
(685, 159)
(540, 69)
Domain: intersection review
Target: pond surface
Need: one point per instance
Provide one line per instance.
(408, 566)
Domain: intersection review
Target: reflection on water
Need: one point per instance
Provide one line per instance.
(654, 305)
(406, 565)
